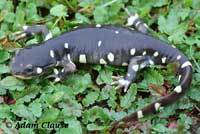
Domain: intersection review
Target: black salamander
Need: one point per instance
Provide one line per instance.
(103, 45)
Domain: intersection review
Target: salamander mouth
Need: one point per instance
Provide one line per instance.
(22, 77)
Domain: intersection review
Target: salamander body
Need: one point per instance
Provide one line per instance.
(104, 45)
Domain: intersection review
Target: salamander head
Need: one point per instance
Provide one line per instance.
(28, 63)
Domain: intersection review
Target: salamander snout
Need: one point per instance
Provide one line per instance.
(23, 70)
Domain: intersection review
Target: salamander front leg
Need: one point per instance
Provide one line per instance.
(68, 68)
(135, 64)
(32, 30)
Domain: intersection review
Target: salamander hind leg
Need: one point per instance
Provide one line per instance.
(136, 22)
(136, 63)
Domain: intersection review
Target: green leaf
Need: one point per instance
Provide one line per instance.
(178, 34)
(4, 69)
(196, 4)
(185, 103)
(198, 130)
(144, 6)
(4, 56)
(76, 126)
(94, 127)
(49, 115)
(36, 108)
(85, 3)
(22, 111)
(82, 18)
(26, 131)
(194, 94)
(26, 95)
(90, 98)
(20, 17)
(105, 76)
(70, 107)
(10, 17)
(32, 41)
(56, 97)
(153, 77)
(167, 25)
(5, 111)
(2, 4)
(129, 97)
(56, 31)
(186, 120)
(59, 10)
(172, 25)
(66, 131)
(94, 114)
(183, 13)
(160, 128)
(79, 83)
(169, 111)
(31, 12)
(12, 83)
(112, 98)
(160, 3)
(104, 94)
(100, 14)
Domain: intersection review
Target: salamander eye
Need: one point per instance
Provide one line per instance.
(29, 68)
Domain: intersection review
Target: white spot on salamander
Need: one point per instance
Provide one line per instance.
(69, 57)
(102, 61)
(137, 23)
(156, 54)
(151, 62)
(66, 45)
(173, 46)
(55, 71)
(178, 57)
(131, 19)
(157, 106)
(178, 89)
(82, 58)
(132, 51)
(111, 57)
(99, 43)
(57, 63)
(116, 32)
(135, 67)
(48, 36)
(140, 114)
(164, 59)
(98, 25)
(179, 77)
(145, 25)
(143, 65)
(39, 70)
(124, 82)
(144, 53)
(25, 28)
(124, 64)
(187, 63)
(57, 79)
(63, 70)
(52, 54)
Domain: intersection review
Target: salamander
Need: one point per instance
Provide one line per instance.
(103, 44)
